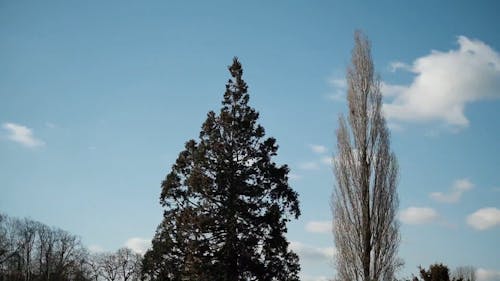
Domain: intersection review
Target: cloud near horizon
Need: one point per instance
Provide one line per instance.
(138, 245)
(444, 84)
(487, 275)
(22, 135)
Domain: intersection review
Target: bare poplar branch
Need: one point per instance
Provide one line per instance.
(365, 200)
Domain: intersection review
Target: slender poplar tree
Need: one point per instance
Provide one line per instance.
(365, 199)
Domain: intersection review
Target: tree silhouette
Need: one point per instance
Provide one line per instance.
(436, 272)
(226, 202)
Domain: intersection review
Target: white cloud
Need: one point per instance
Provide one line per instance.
(309, 166)
(418, 215)
(309, 253)
(445, 83)
(484, 218)
(22, 134)
(453, 196)
(487, 275)
(316, 148)
(319, 227)
(314, 278)
(138, 245)
(463, 185)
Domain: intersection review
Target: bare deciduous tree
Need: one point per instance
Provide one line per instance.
(30, 250)
(94, 266)
(122, 265)
(109, 266)
(465, 273)
(128, 264)
(45, 248)
(365, 201)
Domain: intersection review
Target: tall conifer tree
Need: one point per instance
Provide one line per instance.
(226, 202)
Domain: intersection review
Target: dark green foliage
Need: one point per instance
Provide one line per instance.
(441, 272)
(226, 202)
(436, 272)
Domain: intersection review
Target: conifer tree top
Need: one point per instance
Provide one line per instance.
(226, 202)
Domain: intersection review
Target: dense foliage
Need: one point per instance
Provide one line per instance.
(441, 272)
(226, 202)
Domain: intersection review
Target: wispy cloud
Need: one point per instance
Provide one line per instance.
(338, 82)
(397, 65)
(22, 135)
(453, 196)
(445, 83)
(418, 215)
(321, 151)
(309, 166)
(138, 245)
(484, 218)
(308, 253)
(327, 160)
(50, 125)
(317, 148)
(319, 227)
(294, 176)
(339, 87)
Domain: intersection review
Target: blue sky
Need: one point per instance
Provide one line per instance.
(97, 99)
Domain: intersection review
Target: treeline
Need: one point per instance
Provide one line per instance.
(441, 272)
(33, 251)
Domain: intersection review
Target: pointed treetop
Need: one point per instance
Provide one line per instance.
(236, 69)
(237, 90)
